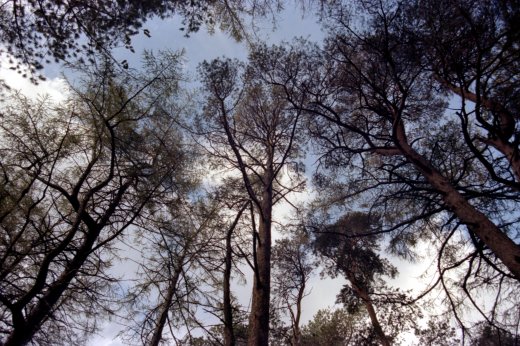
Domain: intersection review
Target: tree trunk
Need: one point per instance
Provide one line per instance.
(296, 338)
(229, 334)
(161, 321)
(25, 329)
(371, 312)
(478, 223)
(259, 318)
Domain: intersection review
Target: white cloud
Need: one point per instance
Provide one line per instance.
(55, 88)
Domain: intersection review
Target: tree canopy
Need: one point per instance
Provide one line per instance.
(147, 200)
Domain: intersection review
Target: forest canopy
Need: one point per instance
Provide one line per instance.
(151, 197)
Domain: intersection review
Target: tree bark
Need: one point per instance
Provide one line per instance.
(24, 329)
(165, 308)
(478, 223)
(259, 318)
(296, 338)
(363, 295)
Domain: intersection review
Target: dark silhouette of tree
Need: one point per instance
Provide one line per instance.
(229, 324)
(234, 230)
(293, 264)
(489, 336)
(37, 32)
(355, 258)
(390, 144)
(437, 332)
(350, 252)
(252, 129)
(180, 250)
(75, 177)
(336, 327)
(478, 72)
(384, 147)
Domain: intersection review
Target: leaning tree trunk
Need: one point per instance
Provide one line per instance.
(229, 334)
(25, 328)
(166, 305)
(363, 295)
(478, 223)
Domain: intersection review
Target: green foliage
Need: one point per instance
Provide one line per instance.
(336, 327)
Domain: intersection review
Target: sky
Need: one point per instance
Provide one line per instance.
(165, 34)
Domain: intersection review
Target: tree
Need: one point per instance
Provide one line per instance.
(438, 332)
(489, 336)
(229, 323)
(355, 257)
(251, 128)
(75, 177)
(476, 72)
(389, 144)
(190, 247)
(293, 265)
(335, 327)
(179, 249)
(368, 99)
(39, 32)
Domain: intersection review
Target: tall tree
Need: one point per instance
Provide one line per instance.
(477, 73)
(389, 142)
(181, 249)
(293, 264)
(369, 99)
(254, 131)
(355, 257)
(75, 177)
(227, 304)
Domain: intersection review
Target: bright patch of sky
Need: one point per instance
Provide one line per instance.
(54, 88)
(200, 46)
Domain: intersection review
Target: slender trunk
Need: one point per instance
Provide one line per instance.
(296, 338)
(371, 313)
(165, 308)
(259, 318)
(478, 223)
(229, 334)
